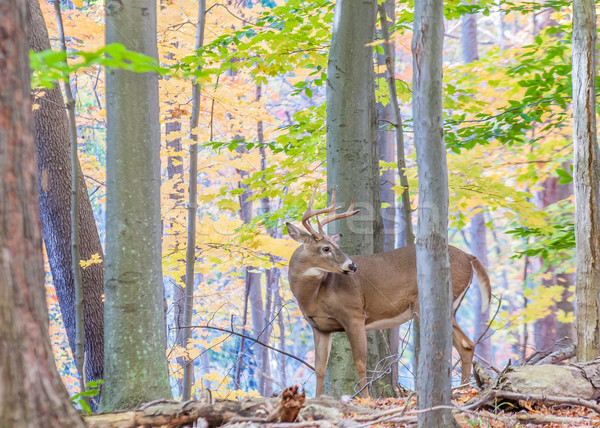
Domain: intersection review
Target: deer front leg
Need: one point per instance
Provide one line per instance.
(322, 349)
(357, 336)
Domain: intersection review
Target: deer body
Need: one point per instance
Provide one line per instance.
(337, 292)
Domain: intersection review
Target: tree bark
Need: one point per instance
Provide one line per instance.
(478, 231)
(479, 250)
(31, 391)
(353, 164)
(433, 266)
(253, 285)
(74, 213)
(54, 184)
(587, 218)
(549, 330)
(386, 137)
(190, 258)
(136, 365)
(175, 169)
(386, 140)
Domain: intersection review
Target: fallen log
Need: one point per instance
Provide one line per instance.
(172, 414)
(573, 384)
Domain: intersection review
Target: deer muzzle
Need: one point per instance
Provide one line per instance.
(350, 268)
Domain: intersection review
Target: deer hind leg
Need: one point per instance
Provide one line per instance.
(465, 348)
(322, 349)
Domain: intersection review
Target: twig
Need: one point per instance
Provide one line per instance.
(491, 321)
(224, 330)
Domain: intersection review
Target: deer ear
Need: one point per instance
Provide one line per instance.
(298, 235)
(335, 238)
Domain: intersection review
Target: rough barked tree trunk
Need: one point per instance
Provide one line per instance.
(587, 218)
(353, 165)
(175, 170)
(135, 363)
(54, 185)
(478, 230)
(433, 266)
(31, 392)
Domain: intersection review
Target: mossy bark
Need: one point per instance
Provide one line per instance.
(135, 358)
(353, 166)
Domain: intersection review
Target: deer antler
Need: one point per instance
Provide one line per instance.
(332, 216)
(310, 212)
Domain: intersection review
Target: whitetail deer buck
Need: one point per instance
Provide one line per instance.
(353, 294)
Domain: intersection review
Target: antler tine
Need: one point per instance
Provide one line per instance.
(310, 212)
(349, 212)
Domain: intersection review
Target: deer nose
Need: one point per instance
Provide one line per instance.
(352, 267)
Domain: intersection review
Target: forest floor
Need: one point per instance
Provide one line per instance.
(401, 412)
(470, 407)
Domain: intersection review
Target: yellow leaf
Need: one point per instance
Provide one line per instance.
(94, 260)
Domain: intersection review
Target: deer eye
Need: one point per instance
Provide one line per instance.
(326, 249)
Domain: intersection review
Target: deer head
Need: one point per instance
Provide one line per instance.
(323, 251)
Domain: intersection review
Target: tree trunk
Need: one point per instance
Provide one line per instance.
(546, 330)
(253, 283)
(54, 184)
(31, 391)
(478, 231)
(192, 208)
(549, 330)
(136, 365)
(479, 250)
(353, 164)
(175, 169)
(587, 218)
(386, 140)
(433, 266)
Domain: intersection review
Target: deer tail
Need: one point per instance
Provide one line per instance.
(484, 283)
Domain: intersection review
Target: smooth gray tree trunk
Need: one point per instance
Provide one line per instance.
(353, 167)
(587, 218)
(192, 208)
(478, 230)
(405, 229)
(433, 266)
(387, 135)
(386, 140)
(479, 249)
(135, 363)
(52, 141)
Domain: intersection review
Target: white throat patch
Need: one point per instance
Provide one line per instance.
(314, 272)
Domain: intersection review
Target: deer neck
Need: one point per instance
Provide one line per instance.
(305, 280)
